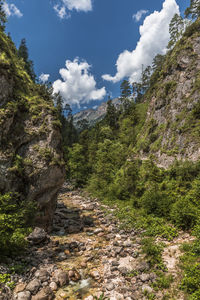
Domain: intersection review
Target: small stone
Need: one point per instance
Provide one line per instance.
(53, 286)
(44, 294)
(110, 286)
(33, 286)
(62, 256)
(98, 230)
(60, 277)
(147, 288)
(24, 295)
(67, 252)
(20, 287)
(144, 277)
(42, 275)
(95, 274)
(83, 265)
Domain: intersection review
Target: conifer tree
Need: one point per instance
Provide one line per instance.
(193, 10)
(3, 18)
(176, 30)
(111, 114)
(23, 53)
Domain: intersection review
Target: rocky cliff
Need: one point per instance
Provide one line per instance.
(31, 163)
(172, 127)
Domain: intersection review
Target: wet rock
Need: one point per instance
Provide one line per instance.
(44, 294)
(24, 295)
(33, 286)
(37, 236)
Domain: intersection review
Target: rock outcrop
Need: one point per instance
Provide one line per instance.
(31, 162)
(172, 129)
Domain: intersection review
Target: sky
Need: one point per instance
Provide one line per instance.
(85, 48)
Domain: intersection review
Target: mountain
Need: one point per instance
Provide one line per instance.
(93, 115)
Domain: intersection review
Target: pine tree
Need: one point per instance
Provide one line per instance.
(193, 10)
(23, 53)
(3, 18)
(111, 115)
(125, 89)
(176, 30)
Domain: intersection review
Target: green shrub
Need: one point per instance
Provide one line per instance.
(153, 252)
(156, 202)
(184, 213)
(15, 219)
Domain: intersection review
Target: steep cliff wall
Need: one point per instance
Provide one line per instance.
(172, 127)
(31, 162)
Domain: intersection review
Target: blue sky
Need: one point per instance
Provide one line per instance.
(97, 32)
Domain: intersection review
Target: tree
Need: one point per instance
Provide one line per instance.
(145, 80)
(157, 62)
(3, 18)
(126, 94)
(23, 53)
(137, 91)
(111, 117)
(176, 30)
(193, 10)
(125, 89)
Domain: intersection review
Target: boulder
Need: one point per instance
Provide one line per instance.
(37, 236)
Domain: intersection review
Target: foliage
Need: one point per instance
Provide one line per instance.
(153, 252)
(15, 219)
(23, 53)
(176, 30)
(193, 10)
(3, 18)
(102, 297)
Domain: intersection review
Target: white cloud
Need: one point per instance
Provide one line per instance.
(139, 15)
(79, 5)
(68, 5)
(77, 85)
(153, 40)
(11, 10)
(44, 77)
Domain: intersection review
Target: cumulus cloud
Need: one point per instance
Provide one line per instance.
(153, 40)
(11, 10)
(139, 15)
(44, 77)
(62, 9)
(77, 86)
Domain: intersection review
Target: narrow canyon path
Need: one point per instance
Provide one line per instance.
(88, 254)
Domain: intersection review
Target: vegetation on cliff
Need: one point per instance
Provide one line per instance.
(30, 148)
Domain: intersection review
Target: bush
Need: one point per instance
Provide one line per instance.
(156, 202)
(184, 213)
(15, 219)
(153, 251)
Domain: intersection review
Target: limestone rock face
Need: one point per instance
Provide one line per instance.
(31, 160)
(172, 129)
